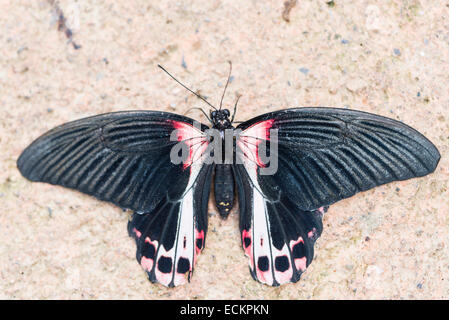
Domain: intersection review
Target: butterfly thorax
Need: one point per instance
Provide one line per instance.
(220, 119)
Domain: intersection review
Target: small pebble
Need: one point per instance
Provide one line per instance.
(344, 41)
(183, 63)
(397, 52)
(304, 70)
(21, 49)
(356, 84)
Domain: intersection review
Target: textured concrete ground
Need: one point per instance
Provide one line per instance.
(385, 57)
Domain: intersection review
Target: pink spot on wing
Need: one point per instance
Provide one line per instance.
(301, 263)
(284, 276)
(248, 248)
(199, 235)
(295, 242)
(311, 233)
(147, 263)
(250, 139)
(154, 243)
(260, 130)
(162, 277)
(194, 138)
(262, 275)
(137, 232)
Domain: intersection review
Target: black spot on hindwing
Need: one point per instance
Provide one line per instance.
(299, 250)
(183, 265)
(263, 263)
(281, 263)
(165, 264)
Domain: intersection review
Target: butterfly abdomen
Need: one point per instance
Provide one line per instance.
(224, 189)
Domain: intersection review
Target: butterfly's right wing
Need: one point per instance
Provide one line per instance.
(124, 158)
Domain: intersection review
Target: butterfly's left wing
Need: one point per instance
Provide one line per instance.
(324, 155)
(125, 158)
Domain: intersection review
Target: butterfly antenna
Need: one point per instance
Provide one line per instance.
(235, 108)
(227, 82)
(196, 94)
(195, 108)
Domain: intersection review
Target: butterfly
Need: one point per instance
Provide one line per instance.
(323, 155)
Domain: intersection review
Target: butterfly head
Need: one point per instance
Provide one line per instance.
(220, 119)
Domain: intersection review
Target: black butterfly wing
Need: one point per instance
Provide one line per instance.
(324, 155)
(124, 158)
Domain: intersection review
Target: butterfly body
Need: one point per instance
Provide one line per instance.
(323, 155)
(223, 175)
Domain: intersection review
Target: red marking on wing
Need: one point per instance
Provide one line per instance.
(148, 240)
(162, 277)
(137, 232)
(146, 262)
(264, 276)
(300, 263)
(199, 235)
(194, 138)
(248, 249)
(250, 139)
(312, 233)
(182, 278)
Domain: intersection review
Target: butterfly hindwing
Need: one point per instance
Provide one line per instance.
(324, 155)
(276, 234)
(170, 238)
(124, 158)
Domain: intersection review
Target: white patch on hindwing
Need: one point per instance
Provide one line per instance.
(185, 240)
(261, 240)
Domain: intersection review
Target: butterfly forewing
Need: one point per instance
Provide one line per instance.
(328, 154)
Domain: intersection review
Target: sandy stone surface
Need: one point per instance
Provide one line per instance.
(386, 57)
